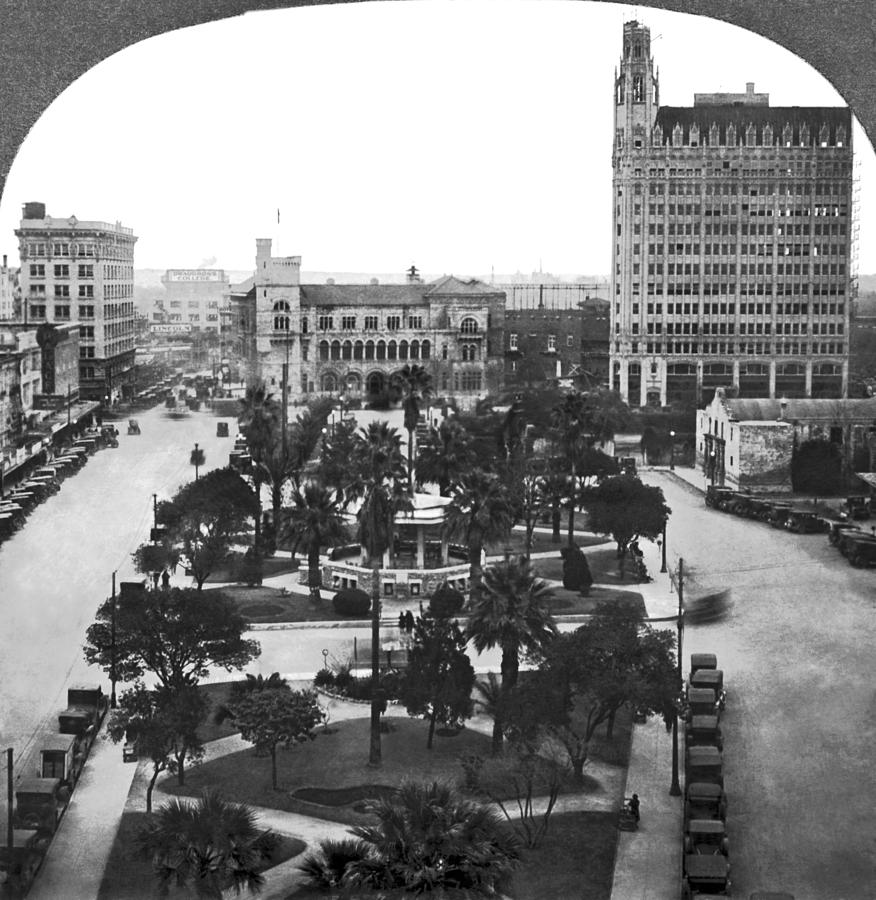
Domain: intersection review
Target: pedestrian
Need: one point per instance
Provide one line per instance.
(165, 580)
(634, 806)
(409, 622)
(402, 623)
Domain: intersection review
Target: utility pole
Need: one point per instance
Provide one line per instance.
(675, 788)
(9, 803)
(113, 646)
(663, 548)
(155, 510)
(285, 400)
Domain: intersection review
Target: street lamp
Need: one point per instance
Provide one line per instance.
(671, 451)
(675, 787)
(712, 464)
(197, 459)
(663, 548)
(113, 645)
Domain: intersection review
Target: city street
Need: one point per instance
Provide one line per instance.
(800, 722)
(58, 569)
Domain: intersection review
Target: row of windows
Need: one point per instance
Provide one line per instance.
(745, 309)
(764, 328)
(724, 290)
(551, 341)
(59, 248)
(61, 270)
(375, 350)
(789, 348)
(38, 311)
(833, 210)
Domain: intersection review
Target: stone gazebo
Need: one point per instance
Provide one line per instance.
(419, 560)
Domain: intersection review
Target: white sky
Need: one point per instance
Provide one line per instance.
(459, 136)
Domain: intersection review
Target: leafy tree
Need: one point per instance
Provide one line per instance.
(445, 455)
(527, 494)
(177, 635)
(154, 558)
(479, 513)
(315, 520)
(816, 467)
(415, 385)
(205, 517)
(439, 678)
(165, 726)
(210, 845)
(589, 674)
(271, 717)
(378, 479)
(511, 612)
(429, 838)
(333, 468)
(626, 509)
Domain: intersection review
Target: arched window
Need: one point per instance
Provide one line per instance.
(620, 90)
(323, 350)
(392, 350)
(403, 350)
(281, 315)
(347, 350)
(381, 350)
(329, 382)
(468, 325)
(415, 349)
(424, 350)
(444, 351)
(358, 350)
(281, 323)
(638, 89)
(354, 383)
(369, 350)
(465, 352)
(336, 349)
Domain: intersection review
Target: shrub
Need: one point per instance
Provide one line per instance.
(326, 868)
(351, 602)
(446, 601)
(576, 571)
(324, 678)
(343, 678)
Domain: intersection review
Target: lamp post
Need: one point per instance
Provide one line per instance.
(155, 510)
(113, 645)
(671, 451)
(663, 548)
(712, 465)
(675, 787)
(197, 459)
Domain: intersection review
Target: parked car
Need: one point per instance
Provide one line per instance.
(705, 875)
(778, 514)
(704, 800)
(702, 661)
(805, 521)
(221, 429)
(716, 496)
(704, 731)
(704, 764)
(712, 679)
(702, 702)
(850, 537)
(706, 837)
(857, 507)
(835, 528)
(860, 549)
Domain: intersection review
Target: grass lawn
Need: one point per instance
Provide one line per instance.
(603, 563)
(267, 604)
(128, 877)
(575, 861)
(542, 543)
(271, 566)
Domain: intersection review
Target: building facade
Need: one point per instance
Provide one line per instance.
(20, 383)
(732, 229)
(349, 339)
(9, 292)
(82, 272)
(195, 298)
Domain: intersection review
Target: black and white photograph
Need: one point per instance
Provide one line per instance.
(437, 449)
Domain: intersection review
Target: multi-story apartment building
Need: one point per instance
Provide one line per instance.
(82, 272)
(20, 382)
(350, 338)
(732, 229)
(195, 298)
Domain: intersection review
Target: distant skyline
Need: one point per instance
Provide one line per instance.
(459, 137)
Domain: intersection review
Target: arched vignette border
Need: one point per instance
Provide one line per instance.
(48, 44)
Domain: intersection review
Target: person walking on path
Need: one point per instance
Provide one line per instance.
(634, 807)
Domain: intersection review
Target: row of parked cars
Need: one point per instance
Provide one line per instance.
(43, 482)
(706, 865)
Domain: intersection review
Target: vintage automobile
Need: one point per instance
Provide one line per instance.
(704, 764)
(805, 521)
(701, 702)
(860, 549)
(704, 876)
(700, 661)
(857, 507)
(836, 527)
(706, 837)
(757, 508)
(852, 536)
(777, 514)
(703, 731)
(713, 679)
(133, 426)
(221, 429)
(717, 496)
(704, 801)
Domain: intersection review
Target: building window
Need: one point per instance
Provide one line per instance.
(281, 315)
(324, 323)
(62, 271)
(86, 290)
(512, 342)
(570, 340)
(348, 323)
(37, 270)
(371, 323)
(37, 312)
(468, 325)
(86, 352)
(62, 290)
(393, 323)
(60, 249)
(86, 312)
(62, 312)
(552, 343)
(415, 321)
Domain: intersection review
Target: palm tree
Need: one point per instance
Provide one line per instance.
(511, 612)
(209, 844)
(569, 420)
(315, 520)
(415, 384)
(445, 455)
(428, 837)
(479, 513)
(378, 478)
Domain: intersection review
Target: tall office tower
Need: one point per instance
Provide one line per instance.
(732, 230)
(82, 272)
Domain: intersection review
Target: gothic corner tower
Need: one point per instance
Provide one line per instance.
(636, 101)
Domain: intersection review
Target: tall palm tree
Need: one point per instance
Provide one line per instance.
(209, 845)
(415, 384)
(569, 419)
(315, 520)
(479, 513)
(378, 478)
(445, 455)
(511, 612)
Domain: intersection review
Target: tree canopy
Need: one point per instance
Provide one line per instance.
(177, 635)
(625, 508)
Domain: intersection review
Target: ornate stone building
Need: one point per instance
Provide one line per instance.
(349, 338)
(732, 228)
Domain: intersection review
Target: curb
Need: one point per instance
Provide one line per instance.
(366, 623)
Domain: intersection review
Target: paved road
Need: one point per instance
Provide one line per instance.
(800, 723)
(57, 570)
